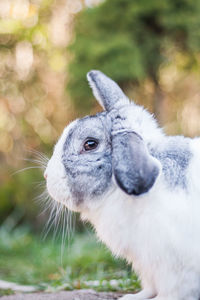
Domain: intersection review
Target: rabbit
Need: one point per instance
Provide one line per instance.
(139, 188)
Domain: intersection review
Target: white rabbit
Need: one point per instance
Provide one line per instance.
(138, 187)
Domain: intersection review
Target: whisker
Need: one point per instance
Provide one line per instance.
(64, 232)
(38, 153)
(40, 184)
(60, 219)
(24, 169)
(42, 198)
(37, 161)
(57, 219)
(45, 209)
(49, 223)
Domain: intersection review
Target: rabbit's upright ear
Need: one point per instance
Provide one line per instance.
(106, 91)
(135, 170)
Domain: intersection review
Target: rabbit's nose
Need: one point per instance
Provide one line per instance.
(45, 175)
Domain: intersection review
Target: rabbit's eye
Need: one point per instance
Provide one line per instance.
(90, 145)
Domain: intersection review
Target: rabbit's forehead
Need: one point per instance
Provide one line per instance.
(88, 127)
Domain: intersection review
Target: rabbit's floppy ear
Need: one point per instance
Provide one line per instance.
(135, 170)
(106, 91)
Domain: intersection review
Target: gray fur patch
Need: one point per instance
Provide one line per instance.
(134, 169)
(174, 156)
(88, 173)
(106, 90)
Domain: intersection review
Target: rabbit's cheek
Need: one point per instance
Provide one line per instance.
(88, 180)
(56, 181)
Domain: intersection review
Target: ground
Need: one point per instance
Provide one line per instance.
(68, 295)
(41, 265)
(29, 264)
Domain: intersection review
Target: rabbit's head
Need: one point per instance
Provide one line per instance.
(99, 153)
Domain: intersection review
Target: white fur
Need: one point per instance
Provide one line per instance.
(157, 232)
(140, 121)
(154, 234)
(56, 176)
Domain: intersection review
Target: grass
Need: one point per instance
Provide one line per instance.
(27, 259)
(6, 292)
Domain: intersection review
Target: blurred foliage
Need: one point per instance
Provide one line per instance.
(46, 47)
(130, 41)
(85, 263)
(33, 106)
(19, 204)
(6, 292)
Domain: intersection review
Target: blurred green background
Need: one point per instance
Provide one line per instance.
(151, 48)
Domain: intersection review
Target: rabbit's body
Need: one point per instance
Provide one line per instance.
(159, 232)
(139, 188)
